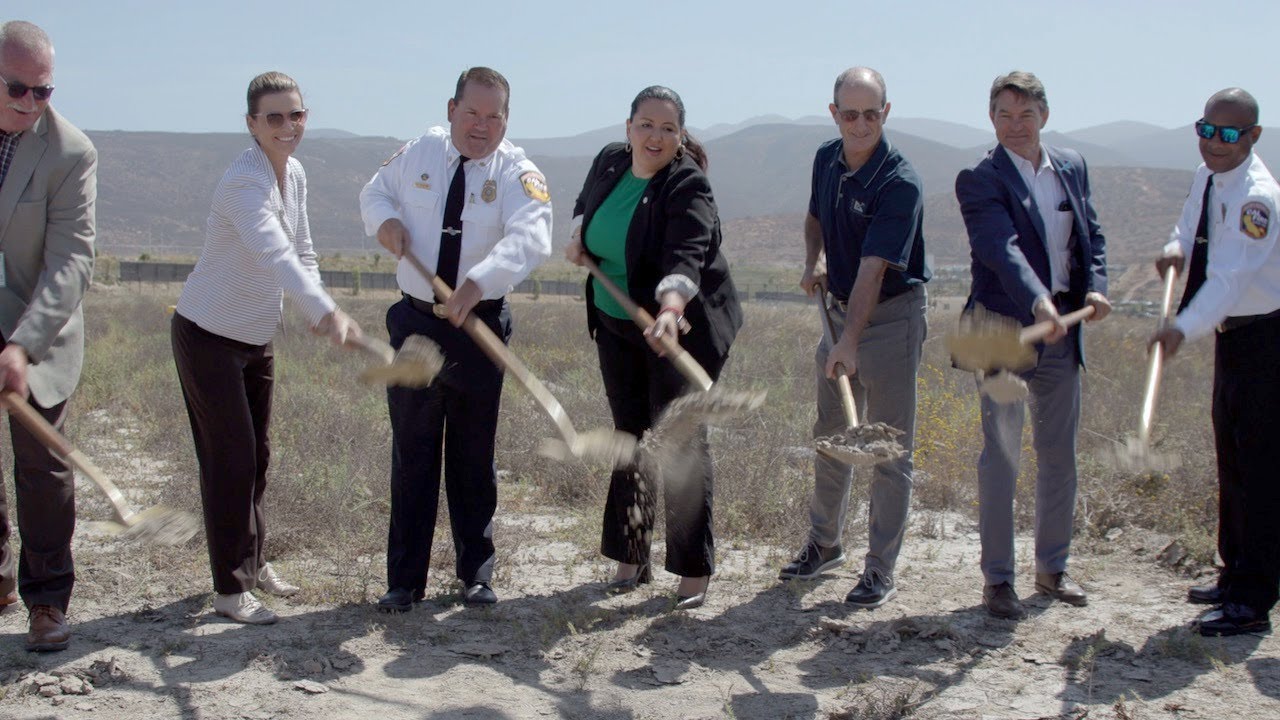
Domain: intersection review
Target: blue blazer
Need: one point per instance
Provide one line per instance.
(1010, 263)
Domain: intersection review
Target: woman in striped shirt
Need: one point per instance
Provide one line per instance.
(257, 250)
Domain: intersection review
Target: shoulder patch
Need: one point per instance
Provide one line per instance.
(1255, 218)
(395, 155)
(535, 186)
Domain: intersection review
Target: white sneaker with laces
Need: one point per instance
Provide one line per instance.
(270, 582)
(243, 608)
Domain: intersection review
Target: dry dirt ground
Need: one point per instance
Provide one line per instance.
(147, 645)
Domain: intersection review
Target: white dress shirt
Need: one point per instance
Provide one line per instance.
(257, 249)
(506, 216)
(1243, 273)
(1046, 188)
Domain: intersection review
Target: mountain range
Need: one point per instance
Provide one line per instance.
(154, 188)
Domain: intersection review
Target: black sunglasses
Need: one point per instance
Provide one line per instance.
(872, 116)
(17, 90)
(275, 120)
(1228, 135)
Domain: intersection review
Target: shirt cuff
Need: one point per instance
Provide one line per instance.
(1046, 298)
(680, 284)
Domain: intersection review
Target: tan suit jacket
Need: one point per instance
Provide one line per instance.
(47, 231)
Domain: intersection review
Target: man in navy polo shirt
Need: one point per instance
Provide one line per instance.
(866, 214)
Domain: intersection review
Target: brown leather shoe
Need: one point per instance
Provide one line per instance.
(1002, 601)
(1060, 586)
(47, 629)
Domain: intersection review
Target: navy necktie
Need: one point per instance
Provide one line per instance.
(451, 230)
(1200, 252)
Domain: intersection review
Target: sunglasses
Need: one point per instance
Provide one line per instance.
(275, 120)
(1228, 135)
(871, 116)
(17, 90)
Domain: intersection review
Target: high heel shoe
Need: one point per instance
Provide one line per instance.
(689, 602)
(643, 576)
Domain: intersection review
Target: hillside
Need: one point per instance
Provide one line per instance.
(155, 187)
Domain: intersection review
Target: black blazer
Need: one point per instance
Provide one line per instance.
(675, 229)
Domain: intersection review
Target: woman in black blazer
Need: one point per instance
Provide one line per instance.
(647, 217)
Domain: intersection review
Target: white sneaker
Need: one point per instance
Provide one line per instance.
(243, 608)
(270, 582)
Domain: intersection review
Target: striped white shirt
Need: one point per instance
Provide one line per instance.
(257, 249)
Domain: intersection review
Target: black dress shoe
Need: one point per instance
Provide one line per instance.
(1002, 601)
(1233, 619)
(643, 576)
(1060, 586)
(479, 593)
(398, 600)
(1205, 594)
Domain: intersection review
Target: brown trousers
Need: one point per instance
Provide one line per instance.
(46, 504)
(227, 388)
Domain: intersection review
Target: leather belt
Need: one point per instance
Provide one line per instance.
(1239, 321)
(437, 309)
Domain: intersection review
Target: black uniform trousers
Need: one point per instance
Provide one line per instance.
(45, 494)
(639, 385)
(227, 386)
(1246, 393)
(457, 414)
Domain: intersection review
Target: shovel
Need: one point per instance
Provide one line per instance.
(988, 341)
(158, 524)
(860, 444)
(1136, 454)
(994, 379)
(684, 362)
(609, 446)
(415, 365)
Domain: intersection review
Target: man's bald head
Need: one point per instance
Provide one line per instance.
(22, 37)
(1237, 99)
(862, 76)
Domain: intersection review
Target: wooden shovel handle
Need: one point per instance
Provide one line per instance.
(501, 356)
(35, 423)
(372, 345)
(684, 362)
(843, 385)
(1041, 330)
(1152, 387)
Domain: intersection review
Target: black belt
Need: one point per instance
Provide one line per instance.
(1239, 321)
(437, 309)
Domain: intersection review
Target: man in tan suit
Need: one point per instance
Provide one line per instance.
(48, 185)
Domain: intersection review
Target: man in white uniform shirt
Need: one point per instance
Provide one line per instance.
(477, 212)
(1228, 230)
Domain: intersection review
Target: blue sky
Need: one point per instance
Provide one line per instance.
(384, 67)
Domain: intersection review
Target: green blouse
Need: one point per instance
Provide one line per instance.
(606, 238)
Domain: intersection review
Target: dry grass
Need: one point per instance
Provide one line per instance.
(330, 462)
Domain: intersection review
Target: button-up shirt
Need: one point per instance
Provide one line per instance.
(1243, 274)
(506, 218)
(1050, 197)
(8, 147)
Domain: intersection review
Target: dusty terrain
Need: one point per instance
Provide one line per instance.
(147, 644)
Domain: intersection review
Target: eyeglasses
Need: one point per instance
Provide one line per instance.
(17, 90)
(1228, 135)
(275, 120)
(871, 116)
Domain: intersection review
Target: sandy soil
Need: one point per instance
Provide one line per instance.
(147, 645)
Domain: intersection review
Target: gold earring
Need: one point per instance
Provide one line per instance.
(628, 147)
(680, 152)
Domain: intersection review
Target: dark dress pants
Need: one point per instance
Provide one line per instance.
(46, 504)
(639, 385)
(456, 413)
(1246, 393)
(227, 386)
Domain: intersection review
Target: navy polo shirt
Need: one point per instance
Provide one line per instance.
(877, 211)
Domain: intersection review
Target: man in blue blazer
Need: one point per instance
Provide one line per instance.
(1037, 253)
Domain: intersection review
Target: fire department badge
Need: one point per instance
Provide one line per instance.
(1255, 217)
